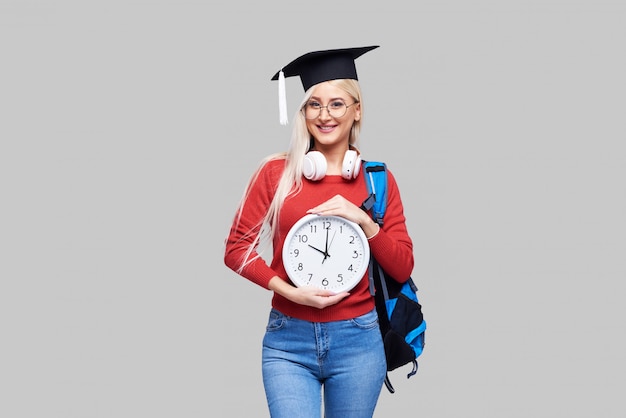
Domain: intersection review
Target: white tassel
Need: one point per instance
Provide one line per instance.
(282, 98)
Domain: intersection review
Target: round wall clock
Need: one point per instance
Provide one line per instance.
(328, 252)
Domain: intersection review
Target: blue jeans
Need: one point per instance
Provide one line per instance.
(345, 358)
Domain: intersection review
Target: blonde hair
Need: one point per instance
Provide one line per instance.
(291, 179)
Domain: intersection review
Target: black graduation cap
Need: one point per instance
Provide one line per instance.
(316, 67)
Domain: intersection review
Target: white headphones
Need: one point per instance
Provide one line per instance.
(314, 167)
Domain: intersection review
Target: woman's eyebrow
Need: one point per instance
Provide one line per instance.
(332, 98)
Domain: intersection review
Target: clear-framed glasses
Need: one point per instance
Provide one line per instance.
(336, 108)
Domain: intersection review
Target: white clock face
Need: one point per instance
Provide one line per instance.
(328, 252)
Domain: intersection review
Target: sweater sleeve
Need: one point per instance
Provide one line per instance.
(392, 247)
(247, 224)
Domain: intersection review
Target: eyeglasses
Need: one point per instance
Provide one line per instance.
(336, 109)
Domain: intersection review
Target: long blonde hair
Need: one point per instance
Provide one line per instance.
(291, 179)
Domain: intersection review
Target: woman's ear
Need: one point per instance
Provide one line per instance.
(357, 112)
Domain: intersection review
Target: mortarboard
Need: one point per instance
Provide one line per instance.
(316, 67)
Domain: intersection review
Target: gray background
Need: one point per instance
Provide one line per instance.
(129, 129)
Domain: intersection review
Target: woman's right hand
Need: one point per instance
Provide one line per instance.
(306, 295)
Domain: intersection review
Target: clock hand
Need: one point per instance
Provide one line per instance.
(331, 241)
(322, 252)
(326, 245)
(326, 255)
(317, 249)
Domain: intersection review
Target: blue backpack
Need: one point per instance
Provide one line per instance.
(400, 316)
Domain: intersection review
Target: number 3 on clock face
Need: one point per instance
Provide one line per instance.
(328, 252)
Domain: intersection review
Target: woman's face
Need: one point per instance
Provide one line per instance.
(331, 128)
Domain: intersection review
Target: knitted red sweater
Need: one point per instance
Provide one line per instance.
(392, 246)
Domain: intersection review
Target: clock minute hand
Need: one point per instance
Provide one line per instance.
(326, 245)
(326, 255)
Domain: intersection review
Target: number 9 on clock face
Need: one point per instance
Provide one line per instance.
(328, 252)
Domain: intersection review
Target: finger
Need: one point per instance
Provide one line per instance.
(334, 203)
(332, 300)
(336, 297)
(325, 293)
(320, 208)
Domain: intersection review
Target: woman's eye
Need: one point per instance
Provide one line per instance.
(314, 105)
(337, 104)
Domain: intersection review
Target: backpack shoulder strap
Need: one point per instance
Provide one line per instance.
(375, 173)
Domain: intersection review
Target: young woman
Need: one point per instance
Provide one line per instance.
(321, 348)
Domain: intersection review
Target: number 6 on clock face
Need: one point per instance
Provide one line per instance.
(328, 252)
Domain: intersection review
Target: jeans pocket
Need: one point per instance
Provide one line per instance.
(366, 321)
(276, 320)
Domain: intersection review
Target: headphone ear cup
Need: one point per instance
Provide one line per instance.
(357, 166)
(351, 165)
(314, 165)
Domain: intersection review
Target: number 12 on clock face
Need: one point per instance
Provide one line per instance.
(328, 252)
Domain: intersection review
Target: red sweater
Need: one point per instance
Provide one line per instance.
(392, 246)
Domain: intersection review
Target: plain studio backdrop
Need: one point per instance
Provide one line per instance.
(130, 128)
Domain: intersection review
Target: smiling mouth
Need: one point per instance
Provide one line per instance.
(326, 128)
